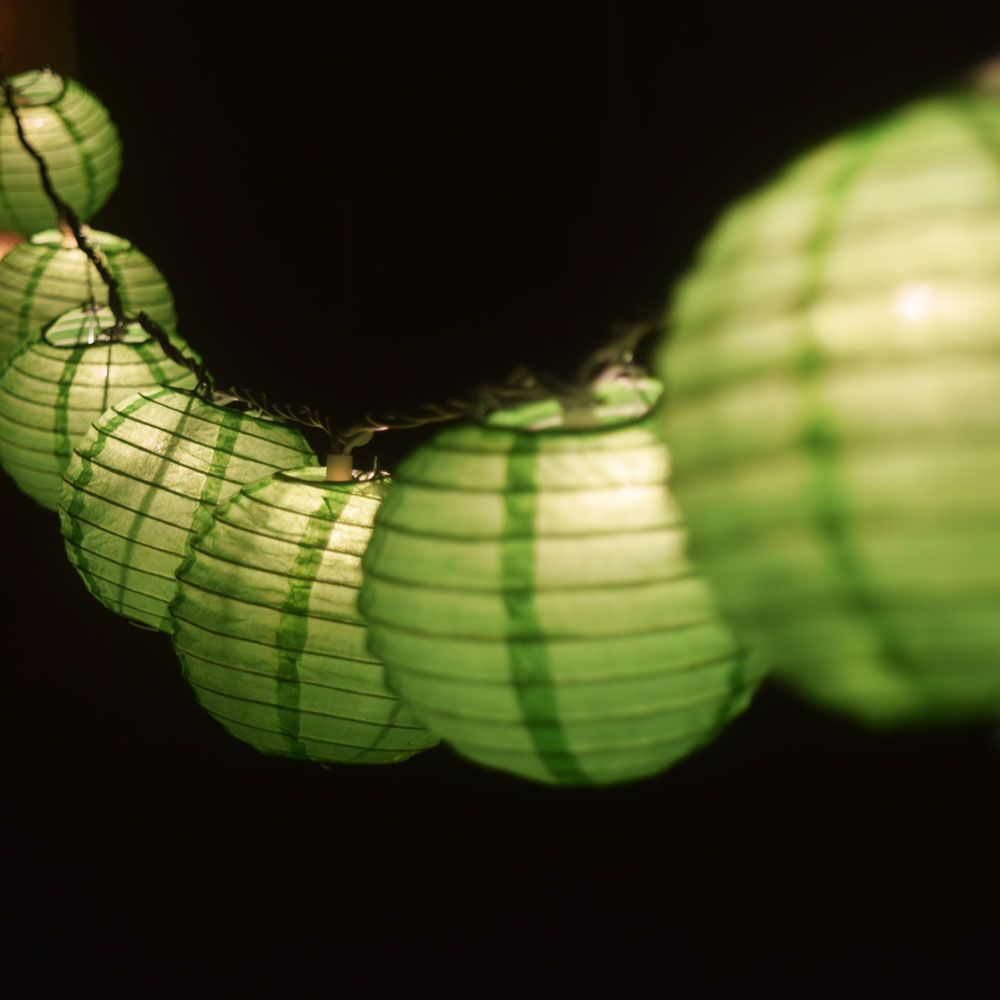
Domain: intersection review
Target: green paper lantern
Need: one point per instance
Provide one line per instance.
(528, 590)
(267, 628)
(52, 390)
(835, 410)
(47, 275)
(146, 477)
(72, 130)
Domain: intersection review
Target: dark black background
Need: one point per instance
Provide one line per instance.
(375, 209)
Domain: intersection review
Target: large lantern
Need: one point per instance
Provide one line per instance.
(528, 590)
(53, 389)
(267, 628)
(71, 129)
(49, 274)
(835, 410)
(146, 476)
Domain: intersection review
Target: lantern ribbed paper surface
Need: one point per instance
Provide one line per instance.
(52, 390)
(267, 628)
(835, 411)
(72, 130)
(145, 477)
(45, 276)
(528, 590)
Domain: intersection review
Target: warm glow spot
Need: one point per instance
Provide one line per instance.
(913, 302)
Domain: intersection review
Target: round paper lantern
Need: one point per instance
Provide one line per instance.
(72, 130)
(528, 590)
(834, 412)
(49, 274)
(267, 627)
(53, 389)
(146, 476)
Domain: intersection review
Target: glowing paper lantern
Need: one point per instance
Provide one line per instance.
(528, 590)
(267, 628)
(72, 130)
(53, 389)
(47, 275)
(835, 410)
(146, 476)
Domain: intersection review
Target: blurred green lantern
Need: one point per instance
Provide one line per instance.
(146, 476)
(834, 412)
(72, 130)
(53, 389)
(49, 274)
(528, 590)
(267, 628)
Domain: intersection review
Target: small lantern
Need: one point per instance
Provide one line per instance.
(528, 590)
(267, 628)
(49, 274)
(835, 410)
(72, 130)
(148, 474)
(53, 389)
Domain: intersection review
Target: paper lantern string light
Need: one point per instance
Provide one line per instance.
(835, 408)
(528, 590)
(77, 138)
(267, 629)
(52, 389)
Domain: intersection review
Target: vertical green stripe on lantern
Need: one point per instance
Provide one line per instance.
(53, 389)
(267, 628)
(831, 366)
(528, 589)
(531, 672)
(148, 475)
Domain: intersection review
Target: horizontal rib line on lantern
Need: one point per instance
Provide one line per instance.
(120, 586)
(160, 486)
(746, 535)
(214, 449)
(301, 711)
(287, 539)
(617, 747)
(296, 612)
(201, 658)
(114, 503)
(867, 443)
(270, 645)
(602, 679)
(534, 588)
(546, 637)
(567, 718)
(253, 498)
(604, 532)
(371, 748)
(510, 491)
(826, 365)
(188, 415)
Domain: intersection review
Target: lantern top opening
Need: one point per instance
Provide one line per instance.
(107, 242)
(90, 326)
(315, 476)
(36, 87)
(617, 402)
